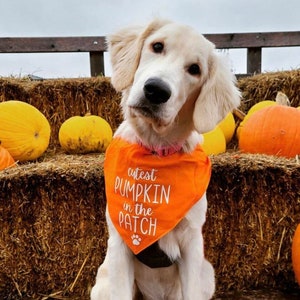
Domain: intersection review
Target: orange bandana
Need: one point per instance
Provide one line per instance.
(148, 195)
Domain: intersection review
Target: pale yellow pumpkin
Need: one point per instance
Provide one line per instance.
(24, 130)
(85, 134)
(214, 141)
(260, 105)
(227, 125)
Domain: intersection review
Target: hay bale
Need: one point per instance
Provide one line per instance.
(52, 211)
(53, 231)
(252, 215)
(60, 99)
(11, 88)
(266, 85)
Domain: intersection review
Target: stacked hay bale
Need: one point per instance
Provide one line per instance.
(52, 211)
(266, 85)
(253, 212)
(53, 230)
(61, 99)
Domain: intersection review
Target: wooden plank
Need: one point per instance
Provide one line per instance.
(254, 60)
(52, 44)
(97, 64)
(94, 43)
(254, 40)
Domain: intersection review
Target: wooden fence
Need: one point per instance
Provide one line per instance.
(95, 45)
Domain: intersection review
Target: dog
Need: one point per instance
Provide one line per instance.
(174, 88)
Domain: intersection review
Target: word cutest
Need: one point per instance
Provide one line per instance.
(140, 174)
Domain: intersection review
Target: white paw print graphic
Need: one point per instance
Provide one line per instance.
(136, 240)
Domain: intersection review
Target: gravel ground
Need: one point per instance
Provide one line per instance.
(260, 295)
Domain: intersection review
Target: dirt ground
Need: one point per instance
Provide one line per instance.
(260, 295)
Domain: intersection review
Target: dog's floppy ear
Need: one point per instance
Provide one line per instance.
(217, 97)
(125, 48)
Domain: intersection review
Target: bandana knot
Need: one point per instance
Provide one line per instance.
(163, 151)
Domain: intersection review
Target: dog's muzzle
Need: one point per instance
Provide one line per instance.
(156, 91)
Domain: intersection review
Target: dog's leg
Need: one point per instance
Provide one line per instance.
(208, 279)
(115, 277)
(101, 288)
(120, 270)
(196, 273)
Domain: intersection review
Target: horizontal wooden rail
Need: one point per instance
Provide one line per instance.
(52, 44)
(255, 40)
(96, 46)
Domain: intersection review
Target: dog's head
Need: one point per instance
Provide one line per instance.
(171, 78)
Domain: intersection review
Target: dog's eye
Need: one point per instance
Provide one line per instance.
(194, 69)
(158, 47)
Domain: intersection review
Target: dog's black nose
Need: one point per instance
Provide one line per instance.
(157, 91)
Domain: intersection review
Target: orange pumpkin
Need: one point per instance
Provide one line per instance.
(296, 253)
(6, 160)
(273, 130)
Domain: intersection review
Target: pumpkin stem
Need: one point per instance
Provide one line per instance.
(239, 114)
(282, 99)
(88, 113)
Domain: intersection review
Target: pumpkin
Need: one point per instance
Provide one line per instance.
(296, 253)
(24, 130)
(227, 125)
(6, 160)
(280, 99)
(273, 130)
(260, 105)
(256, 107)
(85, 134)
(214, 141)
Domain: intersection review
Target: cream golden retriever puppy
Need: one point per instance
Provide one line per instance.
(174, 87)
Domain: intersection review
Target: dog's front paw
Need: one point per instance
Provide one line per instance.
(136, 240)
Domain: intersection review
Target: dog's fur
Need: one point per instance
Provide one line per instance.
(197, 102)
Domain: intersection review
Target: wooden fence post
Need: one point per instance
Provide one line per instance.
(97, 63)
(254, 60)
